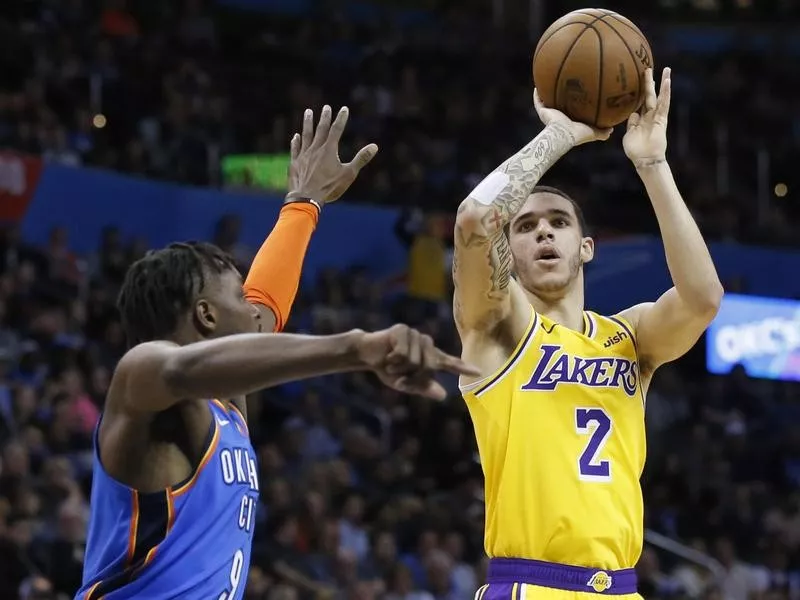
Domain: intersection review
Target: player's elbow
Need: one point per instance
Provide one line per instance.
(470, 216)
(480, 317)
(713, 298)
(706, 304)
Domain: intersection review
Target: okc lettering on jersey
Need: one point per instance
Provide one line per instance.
(556, 367)
(239, 468)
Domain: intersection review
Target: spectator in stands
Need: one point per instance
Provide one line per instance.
(367, 492)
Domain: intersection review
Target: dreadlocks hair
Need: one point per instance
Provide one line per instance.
(162, 285)
(546, 189)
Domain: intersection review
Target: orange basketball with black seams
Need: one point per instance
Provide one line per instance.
(590, 65)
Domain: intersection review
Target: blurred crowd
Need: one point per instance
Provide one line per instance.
(368, 493)
(167, 89)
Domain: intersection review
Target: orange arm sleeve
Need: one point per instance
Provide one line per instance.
(274, 276)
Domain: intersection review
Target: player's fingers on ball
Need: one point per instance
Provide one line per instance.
(665, 95)
(541, 109)
(294, 146)
(308, 128)
(363, 157)
(337, 129)
(323, 127)
(650, 97)
(537, 101)
(604, 134)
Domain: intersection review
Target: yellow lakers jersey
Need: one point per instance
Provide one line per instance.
(561, 436)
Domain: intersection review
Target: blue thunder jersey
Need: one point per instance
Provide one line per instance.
(189, 541)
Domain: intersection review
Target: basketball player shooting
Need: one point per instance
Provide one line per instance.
(558, 408)
(175, 482)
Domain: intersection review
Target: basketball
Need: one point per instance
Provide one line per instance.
(590, 65)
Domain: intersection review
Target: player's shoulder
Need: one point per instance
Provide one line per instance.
(631, 316)
(132, 365)
(147, 372)
(146, 351)
(617, 330)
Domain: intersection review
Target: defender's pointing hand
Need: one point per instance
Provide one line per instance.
(407, 360)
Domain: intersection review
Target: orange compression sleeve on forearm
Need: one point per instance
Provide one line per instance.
(274, 276)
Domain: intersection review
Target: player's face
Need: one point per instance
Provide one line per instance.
(547, 244)
(223, 309)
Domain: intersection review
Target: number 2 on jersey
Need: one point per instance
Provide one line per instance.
(596, 424)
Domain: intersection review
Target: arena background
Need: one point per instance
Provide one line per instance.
(125, 125)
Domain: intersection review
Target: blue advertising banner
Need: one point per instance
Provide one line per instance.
(630, 271)
(760, 334)
(87, 200)
(84, 201)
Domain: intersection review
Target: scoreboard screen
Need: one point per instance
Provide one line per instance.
(259, 171)
(760, 334)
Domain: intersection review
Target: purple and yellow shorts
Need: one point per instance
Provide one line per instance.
(522, 579)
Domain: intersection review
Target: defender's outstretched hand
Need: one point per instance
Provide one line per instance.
(316, 172)
(646, 138)
(407, 360)
(581, 133)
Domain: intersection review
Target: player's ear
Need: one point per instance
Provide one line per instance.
(204, 317)
(587, 250)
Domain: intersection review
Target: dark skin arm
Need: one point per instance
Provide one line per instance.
(268, 321)
(154, 376)
(267, 318)
(317, 172)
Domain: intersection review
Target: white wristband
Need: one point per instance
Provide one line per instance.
(487, 191)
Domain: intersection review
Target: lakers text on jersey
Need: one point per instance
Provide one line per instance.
(190, 541)
(560, 431)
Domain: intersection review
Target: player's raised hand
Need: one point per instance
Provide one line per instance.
(646, 137)
(316, 172)
(581, 133)
(407, 360)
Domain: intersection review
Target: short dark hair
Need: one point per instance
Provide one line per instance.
(546, 189)
(163, 284)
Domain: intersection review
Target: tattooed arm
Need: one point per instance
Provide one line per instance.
(482, 261)
(485, 295)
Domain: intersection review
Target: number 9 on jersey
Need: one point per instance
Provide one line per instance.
(235, 576)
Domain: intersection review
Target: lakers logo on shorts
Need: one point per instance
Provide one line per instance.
(600, 582)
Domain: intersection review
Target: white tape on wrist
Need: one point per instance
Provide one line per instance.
(489, 189)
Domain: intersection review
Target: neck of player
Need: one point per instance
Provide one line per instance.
(564, 306)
